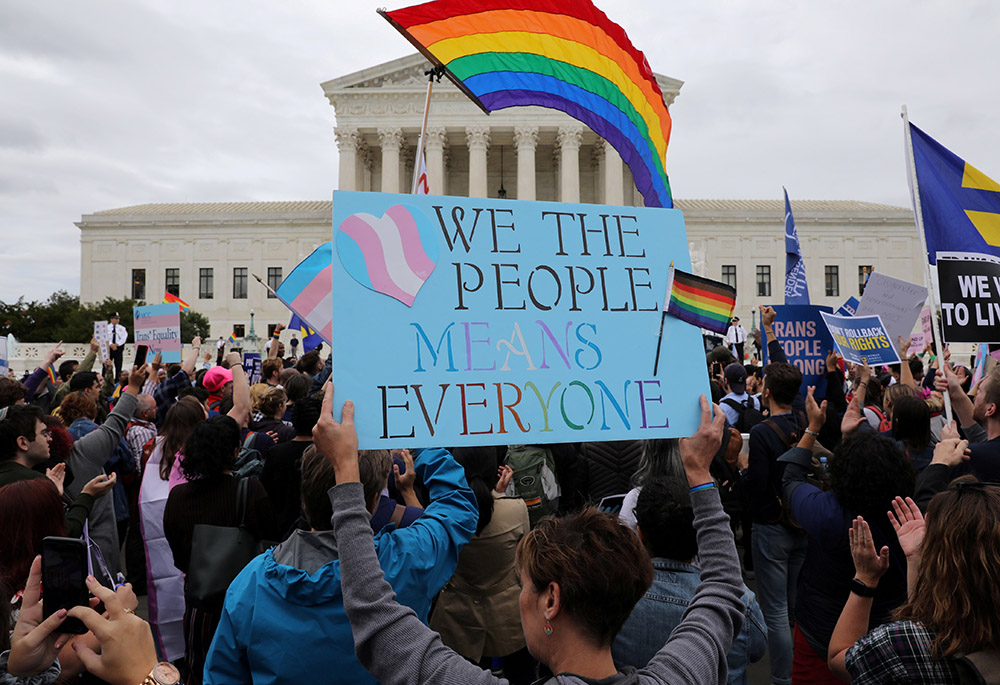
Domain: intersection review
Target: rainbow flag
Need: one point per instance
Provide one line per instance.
(701, 302)
(232, 338)
(170, 297)
(52, 375)
(562, 54)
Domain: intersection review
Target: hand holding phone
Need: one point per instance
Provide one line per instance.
(140, 354)
(64, 579)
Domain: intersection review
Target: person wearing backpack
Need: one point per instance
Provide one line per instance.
(742, 411)
(779, 548)
(534, 479)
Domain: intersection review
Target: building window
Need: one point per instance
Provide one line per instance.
(239, 330)
(273, 279)
(863, 273)
(138, 284)
(206, 283)
(832, 274)
(764, 280)
(729, 274)
(173, 281)
(240, 283)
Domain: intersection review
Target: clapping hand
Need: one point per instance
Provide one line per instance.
(57, 474)
(869, 565)
(815, 412)
(853, 419)
(908, 523)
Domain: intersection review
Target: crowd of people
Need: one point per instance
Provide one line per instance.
(272, 550)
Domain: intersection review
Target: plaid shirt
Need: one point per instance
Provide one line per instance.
(898, 653)
(139, 433)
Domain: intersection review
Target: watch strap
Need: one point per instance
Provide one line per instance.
(860, 589)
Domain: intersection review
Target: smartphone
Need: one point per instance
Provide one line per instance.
(64, 580)
(140, 354)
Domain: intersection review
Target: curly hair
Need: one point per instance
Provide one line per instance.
(11, 391)
(955, 593)
(573, 551)
(867, 471)
(210, 451)
(77, 405)
(179, 423)
(271, 402)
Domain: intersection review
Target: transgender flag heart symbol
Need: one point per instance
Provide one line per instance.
(393, 254)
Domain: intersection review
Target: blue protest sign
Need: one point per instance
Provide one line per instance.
(861, 338)
(805, 341)
(849, 308)
(470, 321)
(252, 365)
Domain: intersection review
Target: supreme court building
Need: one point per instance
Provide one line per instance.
(207, 253)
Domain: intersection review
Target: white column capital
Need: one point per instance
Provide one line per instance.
(390, 138)
(569, 137)
(436, 138)
(477, 137)
(598, 153)
(525, 138)
(347, 138)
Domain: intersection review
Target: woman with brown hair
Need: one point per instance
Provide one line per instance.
(950, 627)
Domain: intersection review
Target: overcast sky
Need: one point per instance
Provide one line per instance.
(108, 104)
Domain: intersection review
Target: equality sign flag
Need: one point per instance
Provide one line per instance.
(960, 204)
(471, 321)
(805, 341)
(796, 288)
(562, 54)
(159, 327)
(307, 291)
(861, 338)
(970, 299)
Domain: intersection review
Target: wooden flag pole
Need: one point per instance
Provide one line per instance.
(936, 333)
(269, 288)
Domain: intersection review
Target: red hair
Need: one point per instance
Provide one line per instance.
(37, 507)
(62, 441)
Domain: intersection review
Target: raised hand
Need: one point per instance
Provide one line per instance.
(767, 315)
(337, 440)
(35, 643)
(136, 379)
(57, 474)
(100, 485)
(869, 565)
(504, 475)
(698, 450)
(405, 481)
(853, 419)
(815, 412)
(908, 523)
(52, 356)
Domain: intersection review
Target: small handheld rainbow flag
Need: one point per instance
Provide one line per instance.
(232, 338)
(701, 302)
(170, 297)
(52, 374)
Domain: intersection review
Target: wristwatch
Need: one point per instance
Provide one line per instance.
(860, 589)
(164, 673)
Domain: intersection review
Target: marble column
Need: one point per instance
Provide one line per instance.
(391, 140)
(568, 139)
(434, 145)
(614, 177)
(347, 147)
(525, 141)
(478, 140)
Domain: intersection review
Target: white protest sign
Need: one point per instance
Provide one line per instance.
(102, 332)
(897, 303)
(3, 357)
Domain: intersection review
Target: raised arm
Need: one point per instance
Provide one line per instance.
(389, 640)
(272, 353)
(698, 645)
(192, 358)
(905, 374)
(97, 445)
(961, 404)
(241, 390)
(775, 353)
(38, 375)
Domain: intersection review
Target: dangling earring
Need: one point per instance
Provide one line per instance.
(547, 628)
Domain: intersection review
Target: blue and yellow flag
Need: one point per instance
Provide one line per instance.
(310, 338)
(960, 204)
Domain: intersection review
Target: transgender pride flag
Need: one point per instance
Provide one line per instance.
(308, 291)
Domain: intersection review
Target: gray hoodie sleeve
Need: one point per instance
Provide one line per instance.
(95, 448)
(389, 639)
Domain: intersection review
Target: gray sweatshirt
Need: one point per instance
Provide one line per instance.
(90, 454)
(396, 647)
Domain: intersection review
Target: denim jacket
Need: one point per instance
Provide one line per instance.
(659, 611)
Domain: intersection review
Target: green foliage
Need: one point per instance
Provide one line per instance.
(62, 317)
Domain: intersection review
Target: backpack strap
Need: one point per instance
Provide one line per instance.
(249, 440)
(738, 406)
(241, 501)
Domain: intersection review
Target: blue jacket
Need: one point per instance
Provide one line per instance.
(661, 609)
(283, 624)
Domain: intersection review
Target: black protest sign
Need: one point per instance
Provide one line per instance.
(970, 300)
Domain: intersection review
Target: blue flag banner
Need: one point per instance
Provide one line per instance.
(849, 308)
(960, 204)
(473, 321)
(796, 288)
(861, 338)
(310, 338)
(805, 341)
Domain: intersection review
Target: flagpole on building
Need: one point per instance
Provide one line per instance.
(432, 73)
(936, 334)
